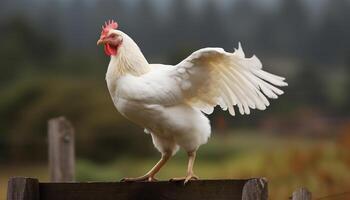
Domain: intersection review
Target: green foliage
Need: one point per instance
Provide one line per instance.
(24, 49)
(26, 106)
(322, 165)
(287, 162)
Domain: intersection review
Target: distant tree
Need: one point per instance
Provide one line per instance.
(182, 23)
(291, 30)
(109, 9)
(75, 25)
(4, 7)
(182, 31)
(331, 41)
(346, 106)
(244, 16)
(211, 26)
(23, 49)
(309, 88)
(145, 27)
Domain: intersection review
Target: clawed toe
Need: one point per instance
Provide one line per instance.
(186, 178)
(140, 179)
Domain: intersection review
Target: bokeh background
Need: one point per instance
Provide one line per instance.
(50, 66)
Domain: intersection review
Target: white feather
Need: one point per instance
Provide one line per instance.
(167, 100)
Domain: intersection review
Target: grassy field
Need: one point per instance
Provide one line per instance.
(322, 165)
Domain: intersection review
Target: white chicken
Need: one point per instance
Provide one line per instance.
(169, 100)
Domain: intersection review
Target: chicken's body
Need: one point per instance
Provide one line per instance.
(172, 125)
(169, 101)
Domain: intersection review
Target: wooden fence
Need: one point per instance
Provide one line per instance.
(31, 189)
(21, 188)
(63, 187)
(61, 150)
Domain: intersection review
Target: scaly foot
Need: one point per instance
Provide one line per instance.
(186, 178)
(145, 178)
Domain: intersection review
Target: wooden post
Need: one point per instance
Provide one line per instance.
(20, 188)
(255, 189)
(61, 150)
(301, 194)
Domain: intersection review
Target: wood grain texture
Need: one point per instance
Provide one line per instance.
(61, 150)
(163, 190)
(255, 189)
(21, 188)
(302, 194)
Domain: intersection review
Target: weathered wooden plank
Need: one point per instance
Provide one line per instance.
(21, 188)
(61, 150)
(302, 194)
(163, 190)
(255, 189)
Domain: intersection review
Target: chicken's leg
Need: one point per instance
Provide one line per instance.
(190, 175)
(149, 176)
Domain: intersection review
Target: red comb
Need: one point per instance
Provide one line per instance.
(108, 26)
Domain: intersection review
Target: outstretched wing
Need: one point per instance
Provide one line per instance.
(212, 76)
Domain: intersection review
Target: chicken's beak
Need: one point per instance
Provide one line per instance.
(100, 41)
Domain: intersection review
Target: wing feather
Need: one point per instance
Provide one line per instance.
(208, 77)
(212, 76)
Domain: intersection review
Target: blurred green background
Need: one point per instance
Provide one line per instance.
(50, 66)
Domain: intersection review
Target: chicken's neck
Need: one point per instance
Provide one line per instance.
(128, 61)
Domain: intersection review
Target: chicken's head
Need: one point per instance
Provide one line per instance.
(111, 38)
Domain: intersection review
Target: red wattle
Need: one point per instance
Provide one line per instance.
(109, 50)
